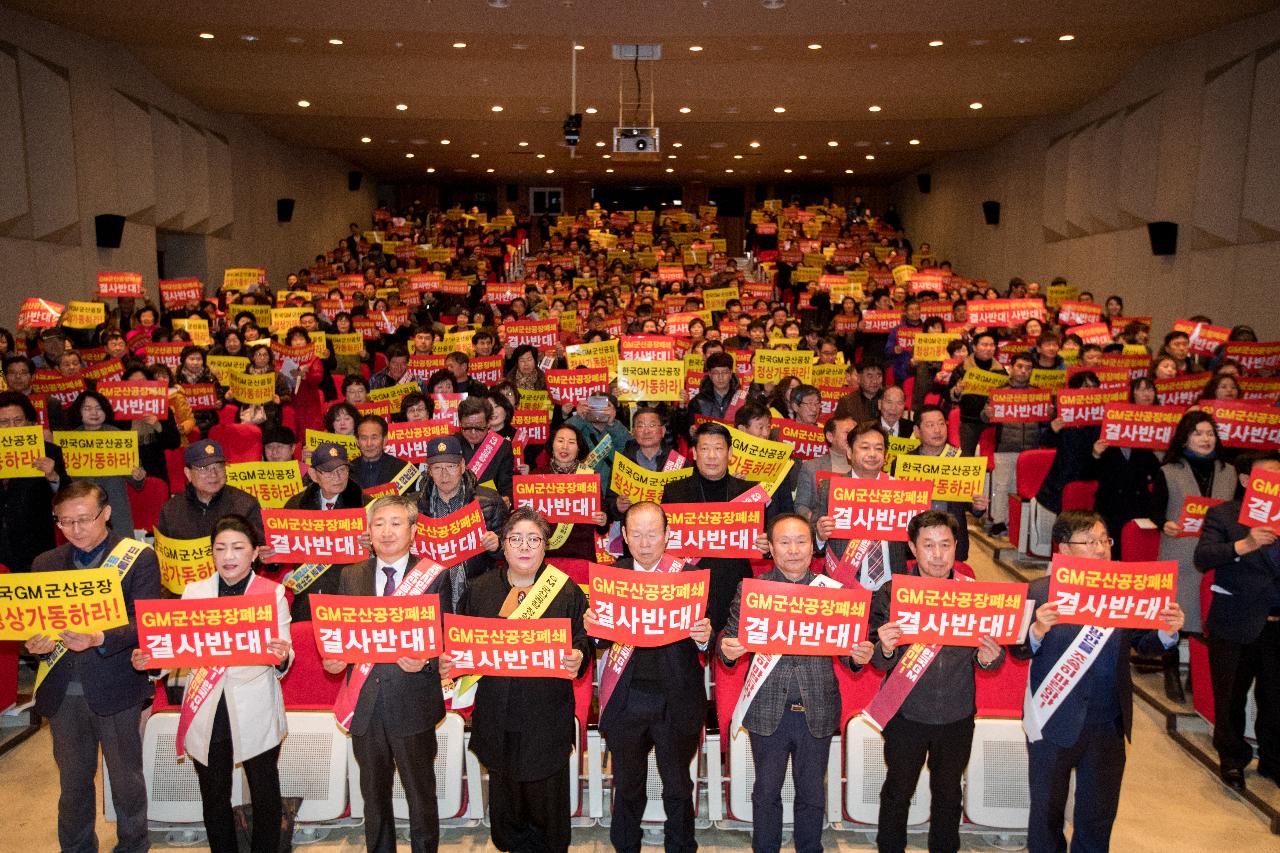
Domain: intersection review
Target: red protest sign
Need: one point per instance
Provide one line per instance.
(1021, 405)
(201, 397)
(723, 529)
(503, 292)
(799, 619)
(422, 365)
(1194, 509)
(1256, 358)
(1261, 504)
(1005, 312)
(314, 535)
(539, 333)
(106, 369)
(449, 540)
(1181, 390)
(1087, 406)
(1245, 425)
(410, 440)
(532, 426)
(1131, 425)
(1112, 594)
(877, 321)
(133, 401)
(1205, 337)
(36, 313)
(956, 612)
(515, 648)
(1259, 389)
(1079, 313)
(373, 629)
(807, 441)
(647, 348)
(177, 292)
(207, 631)
(560, 498)
(53, 384)
(486, 369)
(876, 509)
(113, 285)
(573, 386)
(1092, 333)
(646, 608)
(167, 353)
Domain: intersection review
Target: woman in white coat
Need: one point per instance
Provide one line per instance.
(243, 720)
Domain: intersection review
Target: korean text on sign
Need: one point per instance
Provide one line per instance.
(515, 648)
(1112, 594)
(723, 529)
(795, 619)
(560, 498)
(646, 608)
(876, 509)
(954, 478)
(958, 613)
(1261, 504)
(372, 629)
(81, 600)
(315, 536)
(449, 540)
(232, 631)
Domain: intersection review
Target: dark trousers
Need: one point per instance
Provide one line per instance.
(969, 435)
(808, 755)
(644, 724)
(907, 745)
(1233, 667)
(264, 792)
(77, 734)
(529, 816)
(380, 754)
(1098, 760)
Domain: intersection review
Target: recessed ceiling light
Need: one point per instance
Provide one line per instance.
(402, 107)
(976, 105)
(874, 108)
(304, 103)
(803, 157)
(551, 171)
(409, 155)
(519, 46)
(610, 171)
(670, 170)
(475, 156)
(489, 170)
(600, 144)
(671, 156)
(606, 156)
(206, 35)
(737, 156)
(541, 156)
(523, 144)
(815, 46)
(579, 47)
(978, 42)
(685, 110)
(729, 171)
(754, 144)
(335, 41)
(677, 145)
(444, 141)
(366, 139)
(497, 108)
(848, 171)
(833, 143)
(871, 156)
(591, 111)
(779, 109)
(913, 141)
(1067, 37)
(787, 171)
(248, 38)
(459, 44)
(936, 43)
(430, 169)
(1022, 40)
(695, 48)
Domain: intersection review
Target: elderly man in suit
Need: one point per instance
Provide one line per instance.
(1087, 732)
(90, 692)
(796, 710)
(1243, 630)
(399, 704)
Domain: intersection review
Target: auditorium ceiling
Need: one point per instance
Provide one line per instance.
(858, 81)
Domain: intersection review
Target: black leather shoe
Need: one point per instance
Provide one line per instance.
(1233, 777)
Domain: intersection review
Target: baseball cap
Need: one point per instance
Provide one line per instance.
(202, 453)
(328, 456)
(444, 449)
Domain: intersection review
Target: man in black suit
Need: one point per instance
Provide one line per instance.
(1088, 730)
(26, 503)
(400, 704)
(659, 702)
(374, 466)
(92, 695)
(1243, 630)
(893, 404)
(712, 483)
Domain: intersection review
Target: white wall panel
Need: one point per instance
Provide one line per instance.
(1079, 160)
(171, 195)
(134, 173)
(50, 139)
(220, 177)
(1261, 203)
(1104, 173)
(14, 201)
(1224, 135)
(1055, 187)
(1135, 185)
(195, 165)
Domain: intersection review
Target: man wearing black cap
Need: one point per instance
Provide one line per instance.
(279, 444)
(207, 497)
(331, 487)
(450, 486)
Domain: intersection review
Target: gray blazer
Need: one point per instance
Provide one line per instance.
(807, 484)
(1182, 484)
(897, 550)
(819, 692)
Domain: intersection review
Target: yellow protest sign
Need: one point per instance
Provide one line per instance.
(183, 561)
(394, 394)
(223, 366)
(979, 382)
(650, 381)
(242, 278)
(771, 365)
(99, 453)
(898, 447)
(598, 354)
(272, 483)
(315, 438)
(828, 375)
(284, 319)
(252, 387)
(350, 343)
(640, 484)
(932, 346)
(531, 398)
(196, 327)
(902, 274)
(954, 478)
(84, 315)
(19, 448)
(1056, 294)
(80, 600)
(261, 313)
(1051, 379)
(460, 341)
(716, 298)
(759, 459)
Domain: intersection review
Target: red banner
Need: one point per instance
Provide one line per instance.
(1245, 425)
(113, 285)
(957, 613)
(1079, 313)
(37, 313)
(374, 629)
(1021, 405)
(449, 540)
(1256, 358)
(486, 369)
(410, 441)
(1261, 504)
(1259, 389)
(1131, 425)
(201, 397)
(647, 348)
(1194, 509)
(422, 365)
(1092, 333)
(207, 632)
(1112, 594)
(53, 384)
(532, 426)
(875, 321)
(1181, 390)
(539, 333)
(177, 292)
(646, 608)
(720, 529)
(107, 369)
(133, 401)
(168, 353)
(798, 619)
(559, 498)
(876, 509)
(572, 386)
(514, 648)
(1205, 338)
(315, 535)
(1005, 312)
(807, 442)
(1087, 406)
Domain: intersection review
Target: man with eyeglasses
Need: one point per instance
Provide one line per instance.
(91, 694)
(486, 454)
(19, 372)
(207, 497)
(719, 389)
(1087, 733)
(26, 503)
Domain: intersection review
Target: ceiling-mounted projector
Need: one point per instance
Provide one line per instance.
(635, 140)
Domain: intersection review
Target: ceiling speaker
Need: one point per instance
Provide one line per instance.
(284, 210)
(109, 230)
(1164, 237)
(991, 212)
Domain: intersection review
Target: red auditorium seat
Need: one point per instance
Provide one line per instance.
(953, 427)
(306, 686)
(1138, 544)
(1080, 494)
(1201, 683)
(1032, 467)
(177, 477)
(240, 442)
(145, 503)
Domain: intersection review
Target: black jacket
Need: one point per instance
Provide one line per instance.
(370, 474)
(500, 467)
(1075, 452)
(1251, 582)
(26, 515)
(183, 516)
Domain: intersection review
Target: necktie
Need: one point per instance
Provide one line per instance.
(389, 588)
(875, 564)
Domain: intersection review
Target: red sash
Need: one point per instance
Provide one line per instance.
(674, 462)
(620, 654)
(415, 582)
(484, 455)
(845, 570)
(735, 404)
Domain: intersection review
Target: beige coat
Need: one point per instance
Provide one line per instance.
(255, 705)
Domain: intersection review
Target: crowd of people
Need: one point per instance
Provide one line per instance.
(412, 307)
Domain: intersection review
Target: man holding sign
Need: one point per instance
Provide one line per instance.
(86, 686)
(1079, 709)
(26, 491)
